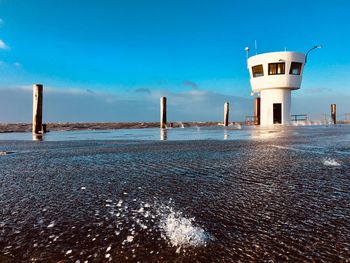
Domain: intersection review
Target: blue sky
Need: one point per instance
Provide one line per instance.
(133, 51)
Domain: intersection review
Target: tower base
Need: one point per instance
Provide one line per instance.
(275, 106)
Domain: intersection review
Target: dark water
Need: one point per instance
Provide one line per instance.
(273, 196)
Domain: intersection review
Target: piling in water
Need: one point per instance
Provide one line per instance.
(226, 113)
(334, 113)
(257, 102)
(37, 108)
(162, 112)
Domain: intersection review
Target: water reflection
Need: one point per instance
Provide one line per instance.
(38, 137)
(163, 134)
(187, 133)
(267, 132)
(226, 135)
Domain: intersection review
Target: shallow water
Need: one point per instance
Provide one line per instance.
(252, 195)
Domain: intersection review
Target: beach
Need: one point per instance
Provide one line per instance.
(258, 195)
(174, 131)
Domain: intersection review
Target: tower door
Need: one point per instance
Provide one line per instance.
(277, 113)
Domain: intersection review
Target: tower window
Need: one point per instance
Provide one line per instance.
(295, 68)
(277, 68)
(258, 71)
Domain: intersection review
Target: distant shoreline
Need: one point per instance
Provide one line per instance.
(27, 127)
(77, 126)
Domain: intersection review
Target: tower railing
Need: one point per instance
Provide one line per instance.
(309, 119)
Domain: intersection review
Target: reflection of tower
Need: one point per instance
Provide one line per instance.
(274, 75)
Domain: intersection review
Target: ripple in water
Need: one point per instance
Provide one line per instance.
(331, 162)
(86, 204)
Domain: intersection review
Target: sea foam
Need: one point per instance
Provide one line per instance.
(179, 231)
(331, 162)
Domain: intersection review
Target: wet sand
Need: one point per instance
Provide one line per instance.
(275, 196)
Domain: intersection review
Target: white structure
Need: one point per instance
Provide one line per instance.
(274, 75)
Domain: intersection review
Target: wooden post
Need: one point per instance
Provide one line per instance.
(257, 102)
(37, 108)
(334, 113)
(226, 113)
(163, 112)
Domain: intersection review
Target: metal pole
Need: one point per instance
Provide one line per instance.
(307, 53)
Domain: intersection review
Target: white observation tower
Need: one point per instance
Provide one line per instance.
(274, 75)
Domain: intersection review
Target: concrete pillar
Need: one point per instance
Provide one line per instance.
(37, 108)
(334, 113)
(257, 102)
(270, 97)
(163, 112)
(226, 113)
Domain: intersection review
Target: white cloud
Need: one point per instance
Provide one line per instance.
(3, 45)
(10, 65)
(82, 105)
(17, 65)
(76, 105)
